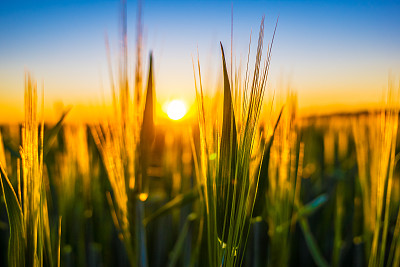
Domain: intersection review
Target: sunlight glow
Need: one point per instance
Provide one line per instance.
(176, 109)
(143, 196)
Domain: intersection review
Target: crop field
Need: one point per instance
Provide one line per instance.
(242, 178)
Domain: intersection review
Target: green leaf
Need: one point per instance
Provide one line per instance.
(177, 250)
(46, 230)
(312, 244)
(260, 199)
(147, 133)
(226, 178)
(59, 242)
(16, 247)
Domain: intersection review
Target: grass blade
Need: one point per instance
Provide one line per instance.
(46, 229)
(16, 247)
(177, 250)
(260, 199)
(226, 179)
(59, 241)
(312, 243)
(147, 134)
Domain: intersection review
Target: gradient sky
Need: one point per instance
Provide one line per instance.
(334, 54)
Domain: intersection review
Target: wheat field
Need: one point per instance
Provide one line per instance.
(245, 181)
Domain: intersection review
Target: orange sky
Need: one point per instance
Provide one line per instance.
(337, 56)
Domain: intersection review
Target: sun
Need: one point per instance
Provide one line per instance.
(176, 109)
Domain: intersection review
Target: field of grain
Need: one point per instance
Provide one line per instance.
(243, 181)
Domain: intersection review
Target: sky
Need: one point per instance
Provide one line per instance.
(336, 55)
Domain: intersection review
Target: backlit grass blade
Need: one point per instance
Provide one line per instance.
(375, 140)
(2, 152)
(16, 244)
(260, 200)
(59, 242)
(47, 248)
(225, 179)
(32, 173)
(394, 252)
(147, 134)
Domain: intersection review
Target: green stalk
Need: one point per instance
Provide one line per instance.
(141, 234)
(337, 243)
(312, 244)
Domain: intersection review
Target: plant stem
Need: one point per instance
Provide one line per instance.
(141, 234)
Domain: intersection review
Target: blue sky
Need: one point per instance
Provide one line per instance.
(330, 52)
